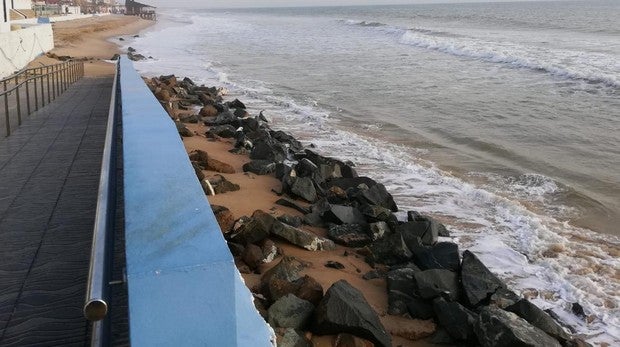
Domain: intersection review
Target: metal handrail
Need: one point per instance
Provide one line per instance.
(96, 305)
(50, 79)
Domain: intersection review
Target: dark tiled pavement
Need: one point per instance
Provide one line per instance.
(49, 176)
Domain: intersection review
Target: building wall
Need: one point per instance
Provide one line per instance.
(5, 25)
(22, 4)
(20, 47)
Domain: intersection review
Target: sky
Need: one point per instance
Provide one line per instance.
(291, 3)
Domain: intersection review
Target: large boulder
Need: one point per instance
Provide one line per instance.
(221, 185)
(401, 289)
(226, 131)
(418, 229)
(268, 149)
(254, 229)
(344, 310)
(378, 195)
(302, 187)
(538, 318)
(340, 214)
(437, 282)
(306, 288)
(288, 269)
(293, 338)
(290, 312)
(302, 238)
(390, 250)
(259, 167)
(479, 283)
(496, 327)
(346, 183)
(378, 230)
(456, 319)
(350, 235)
(442, 255)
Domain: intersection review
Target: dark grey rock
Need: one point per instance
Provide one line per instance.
(225, 131)
(373, 274)
(339, 214)
(390, 250)
(290, 204)
(378, 195)
(302, 187)
(479, 283)
(285, 138)
(290, 312)
(496, 327)
(422, 229)
(295, 221)
(301, 238)
(249, 124)
(268, 149)
(314, 219)
(538, 318)
(344, 310)
(437, 282)
(420, 308)
(442, 255)
(236, 104)
(378, 230)
(225, 117)
(350, 235)
(346, 183)
(249, 230)
(259, 167)
(456, 319)
(334, 265)
(293, 338)
(503, 298)
(306, 168)
(401, 289)
(416, 216)
(376, 213)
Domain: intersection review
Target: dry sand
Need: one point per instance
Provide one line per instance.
(91, 39)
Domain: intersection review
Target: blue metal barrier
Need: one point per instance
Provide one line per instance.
(183, 286)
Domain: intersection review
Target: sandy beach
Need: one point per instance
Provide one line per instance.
(90, 40)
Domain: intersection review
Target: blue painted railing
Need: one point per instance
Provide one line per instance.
(183, 286)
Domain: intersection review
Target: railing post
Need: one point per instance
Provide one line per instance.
(18, 101)
(28, 94)
(36, 91)
(47, 77)
(6, 110)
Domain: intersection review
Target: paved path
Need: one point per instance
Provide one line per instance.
(49, 175)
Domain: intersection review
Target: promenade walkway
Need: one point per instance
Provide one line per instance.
(49, 175)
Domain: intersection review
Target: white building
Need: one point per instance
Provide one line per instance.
(5, 16)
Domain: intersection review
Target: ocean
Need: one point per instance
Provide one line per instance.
(500, 119)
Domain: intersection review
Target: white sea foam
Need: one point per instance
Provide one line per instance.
(571, 64)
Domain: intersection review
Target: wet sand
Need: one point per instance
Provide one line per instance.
(92, 39)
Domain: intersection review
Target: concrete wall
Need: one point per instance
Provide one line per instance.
(183, 286)
(5, 18)
(20, 47)
(22, 4)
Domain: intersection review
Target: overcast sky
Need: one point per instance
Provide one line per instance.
(269, 3)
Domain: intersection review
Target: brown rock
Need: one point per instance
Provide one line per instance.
(253, 256)
(218, 166)
(348, 340)
(163, 95)
(224, 218)
(199, 174)
(208, 111)
(242, 267)
(200, 157)
(309, 290)
(221, 185)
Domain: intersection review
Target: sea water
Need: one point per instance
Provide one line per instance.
(500, 119)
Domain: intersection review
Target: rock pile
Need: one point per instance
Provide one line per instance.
(427, 277)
